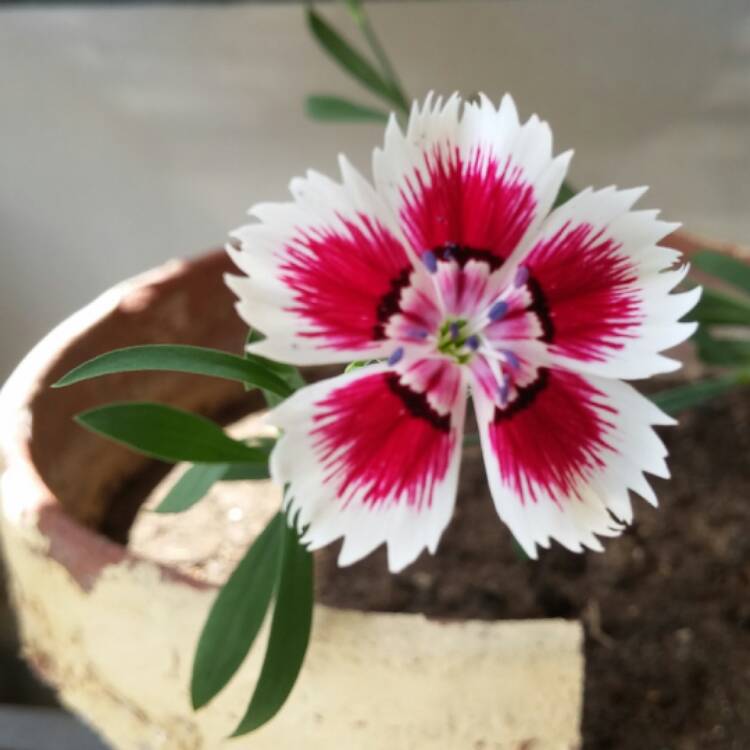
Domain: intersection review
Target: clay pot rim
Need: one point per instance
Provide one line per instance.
(27, 499)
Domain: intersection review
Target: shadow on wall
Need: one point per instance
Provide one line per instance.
(17, 683)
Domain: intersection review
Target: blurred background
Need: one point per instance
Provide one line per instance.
(134, 134)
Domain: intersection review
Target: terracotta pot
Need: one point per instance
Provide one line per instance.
(115, 633)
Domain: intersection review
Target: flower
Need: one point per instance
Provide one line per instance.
(454, 273)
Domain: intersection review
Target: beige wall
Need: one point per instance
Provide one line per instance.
(130, 135)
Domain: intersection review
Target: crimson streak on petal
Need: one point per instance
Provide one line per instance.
(382, 443)
(472, 201)
(585, 292)
(551, 436)
(339, 276)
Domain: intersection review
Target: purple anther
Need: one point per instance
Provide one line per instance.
(473, 342)
(430, 261)
(498, 310)
(418, 333)
(511, 359)
(449, 251)
(521, 277)
(455, 330)
(503, 390)
(396, 356)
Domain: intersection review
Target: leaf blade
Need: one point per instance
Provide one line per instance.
(178, 358)
(237, 615)
(338, 109)
(289, 638)
(191, 487)
(166, 433)
(348, 58)
(724, 267)
(715, 308)
(721, 352)
(675, 400)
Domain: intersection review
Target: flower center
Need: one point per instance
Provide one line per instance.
(456, 341)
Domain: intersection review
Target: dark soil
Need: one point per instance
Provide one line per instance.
(666, 607)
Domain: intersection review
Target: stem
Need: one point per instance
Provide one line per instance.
(471, 438)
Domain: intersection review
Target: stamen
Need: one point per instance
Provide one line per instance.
(396, 356)
(503, 390)
(418, 333)
(455, 330)
(430, 261)
(511, 358)
(473, 342)
(498, 311)
(521, 277)
(449, 253)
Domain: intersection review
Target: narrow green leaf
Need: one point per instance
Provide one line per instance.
(290, 634)
(167, 433)
(722, 266)
(721, 352)
(349, 58)
(191, 487)
(240, 472)
(675, 400)
(191, 359)
(715, 308)
(237, 614)
(566, 192)
(336, 109)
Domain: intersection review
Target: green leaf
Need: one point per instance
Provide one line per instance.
(349, 58)
(290, 634)
(336, 109)
(721, 352)
(191, 359)
(566, 192)
(288, 373)
(675, 400)
(722, 266)
(237, 614)
(715, 308)
(167, 433)
(191, 487)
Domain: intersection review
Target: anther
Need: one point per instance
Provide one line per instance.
(396, 356)
(503, 390)
(455, 330)
(521, 277)
(430, 261)
(498, 311)
(511, 358)
(473, 342)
